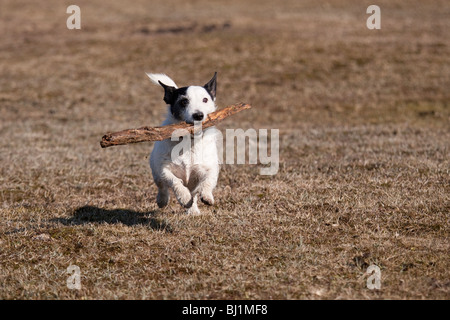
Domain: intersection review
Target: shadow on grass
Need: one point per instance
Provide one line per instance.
(91, 214)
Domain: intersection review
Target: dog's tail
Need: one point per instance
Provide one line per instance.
(156, 77)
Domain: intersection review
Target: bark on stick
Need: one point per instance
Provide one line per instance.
(161, 133)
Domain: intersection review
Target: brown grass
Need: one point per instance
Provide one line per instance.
(364, 136)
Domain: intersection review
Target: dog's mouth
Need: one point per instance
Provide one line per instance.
(193, 121)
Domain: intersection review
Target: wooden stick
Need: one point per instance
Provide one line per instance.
(165, 132)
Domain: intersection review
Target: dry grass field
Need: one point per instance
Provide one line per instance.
(364, 176)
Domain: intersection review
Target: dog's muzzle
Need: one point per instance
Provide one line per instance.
(198, 116)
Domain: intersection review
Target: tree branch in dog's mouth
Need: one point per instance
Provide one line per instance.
(161, 133)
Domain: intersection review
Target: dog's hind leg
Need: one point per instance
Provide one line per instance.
(162, 199)
(194, 208)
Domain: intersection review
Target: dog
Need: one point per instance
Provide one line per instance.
(191, 174)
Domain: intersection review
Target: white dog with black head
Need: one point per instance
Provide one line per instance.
(192, 173)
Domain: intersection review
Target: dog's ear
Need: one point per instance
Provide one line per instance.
(168, 93)
(211, 86)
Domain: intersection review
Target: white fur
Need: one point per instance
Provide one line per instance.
(196, 95)
(194, 174)
(155, 77)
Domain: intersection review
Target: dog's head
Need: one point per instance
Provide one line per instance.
(191, 103)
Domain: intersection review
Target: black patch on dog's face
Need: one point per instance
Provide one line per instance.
(175, 98)
(178, 102)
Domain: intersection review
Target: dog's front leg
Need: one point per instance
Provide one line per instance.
(207, 180)
(207, 188)
(182, 193)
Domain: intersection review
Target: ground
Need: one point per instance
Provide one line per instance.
(364, 150)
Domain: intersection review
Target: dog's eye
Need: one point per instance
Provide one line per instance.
(205, 100)
(184, 102)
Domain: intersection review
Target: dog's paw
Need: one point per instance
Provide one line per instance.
(207, 198)
(184, 197)
(162, 199)
(193, 211)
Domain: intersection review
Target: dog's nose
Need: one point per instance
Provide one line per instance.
(198, 116)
